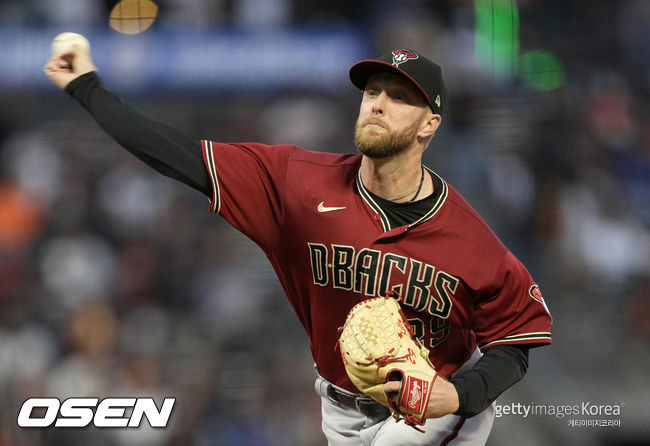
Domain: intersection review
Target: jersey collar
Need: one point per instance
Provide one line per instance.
(440, 195)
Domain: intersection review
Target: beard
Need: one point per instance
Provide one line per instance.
(383, 143)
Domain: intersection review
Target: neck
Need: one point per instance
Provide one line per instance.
(398, 179)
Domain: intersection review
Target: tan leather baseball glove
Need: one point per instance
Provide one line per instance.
(377, 345)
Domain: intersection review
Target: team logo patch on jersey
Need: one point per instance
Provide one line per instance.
(536, 293)
(401, 56)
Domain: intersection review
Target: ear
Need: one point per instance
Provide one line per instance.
(430, 124)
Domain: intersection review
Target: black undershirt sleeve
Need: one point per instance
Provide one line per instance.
(162, 147)
(498, 369)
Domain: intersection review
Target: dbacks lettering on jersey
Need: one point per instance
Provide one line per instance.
(370, 272)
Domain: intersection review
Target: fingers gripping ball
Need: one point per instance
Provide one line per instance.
(65, 42)
(377, 345)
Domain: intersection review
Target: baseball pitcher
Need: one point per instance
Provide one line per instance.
(417, 315)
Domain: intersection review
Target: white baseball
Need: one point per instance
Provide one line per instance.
(65, 41)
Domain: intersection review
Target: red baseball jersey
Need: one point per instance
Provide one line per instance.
(331, 246)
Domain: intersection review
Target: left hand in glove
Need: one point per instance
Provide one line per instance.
(378, 347)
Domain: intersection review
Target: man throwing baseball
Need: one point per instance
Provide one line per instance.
(341, 229)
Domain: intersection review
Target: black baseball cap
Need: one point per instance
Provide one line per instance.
(420, 71)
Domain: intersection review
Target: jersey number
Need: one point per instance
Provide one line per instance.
(438, 330)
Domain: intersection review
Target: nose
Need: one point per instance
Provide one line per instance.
(379, 103)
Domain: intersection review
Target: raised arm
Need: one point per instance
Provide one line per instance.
(164, 148)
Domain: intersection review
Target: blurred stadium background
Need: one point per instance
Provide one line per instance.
(116, 281)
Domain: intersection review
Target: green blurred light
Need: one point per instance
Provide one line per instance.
(542, 70)
(496, 37)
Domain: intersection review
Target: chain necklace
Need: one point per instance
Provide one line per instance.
(417, 189)
(419, 186)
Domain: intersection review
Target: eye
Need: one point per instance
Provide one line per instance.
(372, 92)
(399, 95)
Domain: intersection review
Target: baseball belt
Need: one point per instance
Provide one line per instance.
(363, 404)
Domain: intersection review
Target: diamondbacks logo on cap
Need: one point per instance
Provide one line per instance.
(401, 56)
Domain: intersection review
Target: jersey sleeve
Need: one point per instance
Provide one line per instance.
(514, 312)
(248, 183)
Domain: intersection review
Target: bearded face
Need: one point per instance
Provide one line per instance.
(380, 140)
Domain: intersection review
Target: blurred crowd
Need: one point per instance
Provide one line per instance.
(116, 281)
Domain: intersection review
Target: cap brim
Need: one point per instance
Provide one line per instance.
(361, 71)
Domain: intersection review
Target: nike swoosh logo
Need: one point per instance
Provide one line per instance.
(322, 208)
